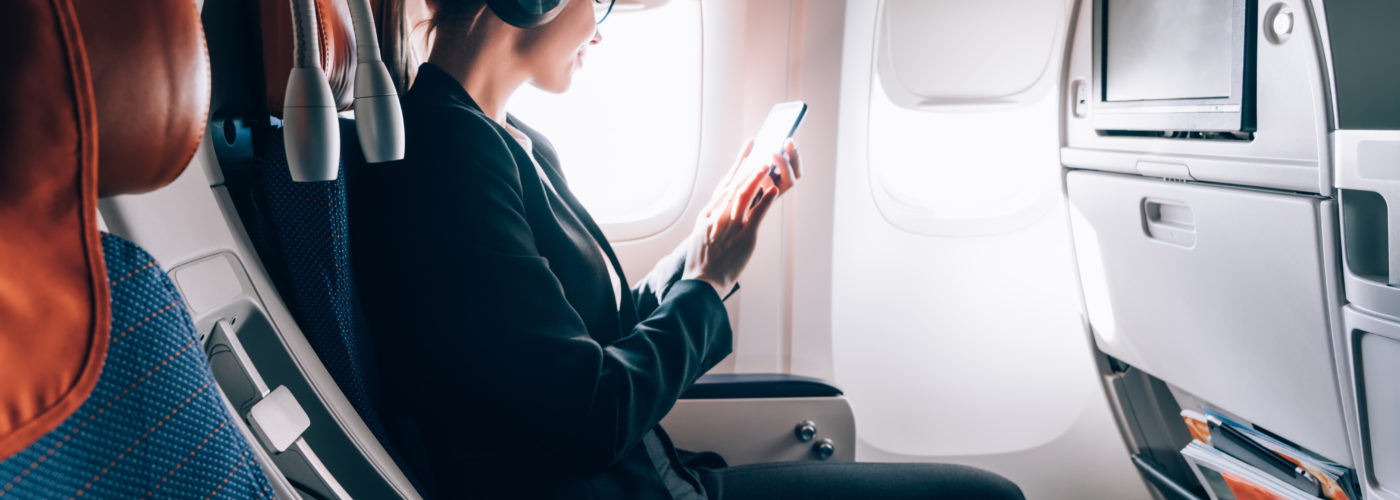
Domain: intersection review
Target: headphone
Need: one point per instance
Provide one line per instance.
(526, 14)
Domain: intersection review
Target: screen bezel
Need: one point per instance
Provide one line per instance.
(1218, 114)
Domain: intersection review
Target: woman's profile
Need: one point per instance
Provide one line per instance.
(514, 360)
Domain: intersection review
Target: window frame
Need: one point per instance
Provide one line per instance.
(918, 220)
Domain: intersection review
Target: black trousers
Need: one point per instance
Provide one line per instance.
(862, 480)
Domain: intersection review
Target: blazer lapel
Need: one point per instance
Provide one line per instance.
(549, 163)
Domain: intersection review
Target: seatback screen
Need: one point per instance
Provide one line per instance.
(1169, 49)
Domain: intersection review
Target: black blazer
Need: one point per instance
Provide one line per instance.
(505, 367)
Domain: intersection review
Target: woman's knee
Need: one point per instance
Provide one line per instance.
(994, 485)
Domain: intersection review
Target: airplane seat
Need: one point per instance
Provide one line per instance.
(299, 229)
(304, 430)
(106, 390)
(300, 232)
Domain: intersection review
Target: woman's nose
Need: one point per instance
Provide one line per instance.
(597, 37)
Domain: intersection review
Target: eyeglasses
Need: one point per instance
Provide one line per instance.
(601, 9)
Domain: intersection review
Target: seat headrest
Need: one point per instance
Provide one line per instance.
(123, 85)
(337, 50)
(150, 73)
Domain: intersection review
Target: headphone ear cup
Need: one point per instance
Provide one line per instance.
(526, 14)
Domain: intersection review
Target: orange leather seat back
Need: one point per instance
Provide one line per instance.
(101, 98)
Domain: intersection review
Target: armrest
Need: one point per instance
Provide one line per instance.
(748, 426)
(759, 385)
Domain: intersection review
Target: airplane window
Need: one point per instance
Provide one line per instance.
(947, 171)
(628, 131)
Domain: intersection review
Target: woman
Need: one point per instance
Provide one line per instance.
(513, 361)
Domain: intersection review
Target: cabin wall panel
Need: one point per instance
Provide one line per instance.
(964, 348)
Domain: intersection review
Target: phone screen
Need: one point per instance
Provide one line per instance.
(782, 121)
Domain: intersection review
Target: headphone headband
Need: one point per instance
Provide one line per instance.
(526, 14)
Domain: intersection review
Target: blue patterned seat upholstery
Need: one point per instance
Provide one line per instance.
(301, 234)
(155, 425)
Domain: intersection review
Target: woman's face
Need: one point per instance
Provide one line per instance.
(551, 53)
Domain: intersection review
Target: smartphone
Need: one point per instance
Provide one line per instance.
(782, 121)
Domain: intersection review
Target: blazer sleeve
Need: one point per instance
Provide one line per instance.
(504, 315)
(651, 290)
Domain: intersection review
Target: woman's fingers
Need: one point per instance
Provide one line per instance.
(746, 193)
(726, 197)
(786, 167)
(717, 223)
(722, 221)
(740, 192)
(734, 169)
(721, 200)
(791, 149)
(770, 195)
(744, 151)
(723, 189)
(784, 174)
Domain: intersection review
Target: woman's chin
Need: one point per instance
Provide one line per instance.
(555, 85)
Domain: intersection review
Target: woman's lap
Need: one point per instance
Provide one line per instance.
(865, 480)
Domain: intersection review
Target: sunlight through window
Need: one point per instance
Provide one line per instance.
(954, 165)
(628, 131)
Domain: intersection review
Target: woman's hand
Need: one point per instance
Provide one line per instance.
(787, 170)
(727, 230)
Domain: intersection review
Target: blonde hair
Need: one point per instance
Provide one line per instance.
(452, 13)
(409, 29)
